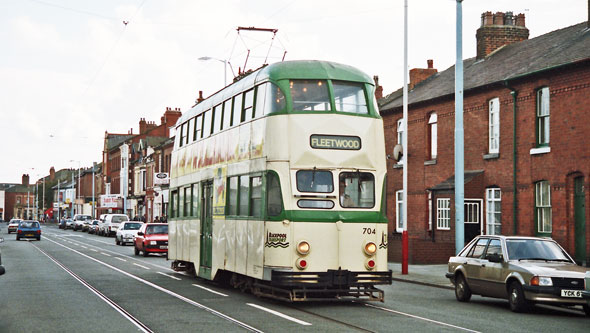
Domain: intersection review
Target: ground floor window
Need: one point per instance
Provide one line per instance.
(543, 207)
(443, 213)
(493, 211)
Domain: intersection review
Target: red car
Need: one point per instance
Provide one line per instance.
(151, 238)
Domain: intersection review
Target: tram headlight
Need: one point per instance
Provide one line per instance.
(370, 248)
(303, 248)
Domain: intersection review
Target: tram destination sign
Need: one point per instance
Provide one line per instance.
(342, 142)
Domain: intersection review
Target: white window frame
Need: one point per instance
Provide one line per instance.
(400, 137)
(493, 195)
(443, 214)
(429, 210)
(433, 128)
(494, 126)
(543, 117)
(543, 206)
(399, 203)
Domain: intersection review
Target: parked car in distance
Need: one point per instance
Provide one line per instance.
(79, 220)
(69, 224)
(93, 227)
(151, 238)
(127, 231)
(28, 229)
(111, 223)
(13, 225)
(524, 270)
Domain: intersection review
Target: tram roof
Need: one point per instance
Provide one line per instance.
(295, 69)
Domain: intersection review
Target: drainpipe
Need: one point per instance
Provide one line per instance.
(514, 94)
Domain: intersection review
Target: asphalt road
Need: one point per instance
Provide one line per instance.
(72, 282)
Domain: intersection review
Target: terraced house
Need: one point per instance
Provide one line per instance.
(526, 122)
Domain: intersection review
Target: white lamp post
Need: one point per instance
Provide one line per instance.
(224, 67)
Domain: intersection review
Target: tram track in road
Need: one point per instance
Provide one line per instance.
(162, 289)
(141, 326)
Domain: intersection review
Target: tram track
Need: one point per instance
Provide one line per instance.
(332, 320)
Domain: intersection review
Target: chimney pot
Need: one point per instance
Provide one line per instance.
(503, 31)
(430, 63)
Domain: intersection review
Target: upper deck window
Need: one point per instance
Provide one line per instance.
(350, 97)
(269, 99)
(315, 181)
(310, 95)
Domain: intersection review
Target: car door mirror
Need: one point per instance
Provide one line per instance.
(140, 233)
(494, 257)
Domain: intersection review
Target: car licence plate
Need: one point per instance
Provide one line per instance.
(571, 293)
(165, 247)
(29, 235)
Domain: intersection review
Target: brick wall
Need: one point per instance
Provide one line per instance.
(568, 158)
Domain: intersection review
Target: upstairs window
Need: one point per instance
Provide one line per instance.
(227, 114)
(248, 105)
(310, 95)
(350, 97)
(217, 119)
(543, 117)
(432, 135)
(207, 129)
(237, 110)
(198, 128)
(543, 207)
(494, 126)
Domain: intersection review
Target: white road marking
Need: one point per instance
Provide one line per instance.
(106, 254)
(94, 250)
(171, 293)
(422, 318)
(170, 276)
(82, 246)
(210, 290)
(120, 259)
(117, 307)
(142, 266)
(276, 313)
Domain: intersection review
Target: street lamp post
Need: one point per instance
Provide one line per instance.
(459, 154)
(224, 67)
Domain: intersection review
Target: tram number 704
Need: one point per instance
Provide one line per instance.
(368, 231)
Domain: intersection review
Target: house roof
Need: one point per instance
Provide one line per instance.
(449, 183)
(554, 49)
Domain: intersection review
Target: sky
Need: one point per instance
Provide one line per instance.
(73, 69)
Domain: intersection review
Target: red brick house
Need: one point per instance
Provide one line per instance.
(526, 118)
(19, 200)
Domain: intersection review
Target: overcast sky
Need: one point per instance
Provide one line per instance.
(71, 69)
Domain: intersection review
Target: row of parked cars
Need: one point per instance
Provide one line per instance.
(145, 237)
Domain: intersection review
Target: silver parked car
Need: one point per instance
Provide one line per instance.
(524, 270)
(127, 231)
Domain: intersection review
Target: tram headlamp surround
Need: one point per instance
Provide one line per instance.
(303, 248)
(370, 248)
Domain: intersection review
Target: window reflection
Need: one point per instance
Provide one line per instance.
(310, 95)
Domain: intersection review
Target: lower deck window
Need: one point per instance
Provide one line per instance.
(316, 204)
(357, 190)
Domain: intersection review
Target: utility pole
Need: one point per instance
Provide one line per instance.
(93, 203)
(459, 153)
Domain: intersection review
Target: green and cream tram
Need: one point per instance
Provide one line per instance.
(278, 185)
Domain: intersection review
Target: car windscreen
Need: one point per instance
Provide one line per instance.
(156, 229)
(132, 226)
(535, 249)
(119, 219)
(29, 225)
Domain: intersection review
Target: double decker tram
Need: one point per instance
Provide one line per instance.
(278, 185)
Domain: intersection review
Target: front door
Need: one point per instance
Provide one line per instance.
(580, 218)
(206, 229)
(472, 218)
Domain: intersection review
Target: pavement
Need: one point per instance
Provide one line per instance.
(428, 275)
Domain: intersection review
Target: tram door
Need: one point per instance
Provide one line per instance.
(472, 218)
(206, 229)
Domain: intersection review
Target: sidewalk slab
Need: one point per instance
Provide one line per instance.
(429, 275)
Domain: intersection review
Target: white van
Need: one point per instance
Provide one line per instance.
(111, 223)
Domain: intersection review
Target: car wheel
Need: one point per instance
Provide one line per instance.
(17, 238)
(145, 252)
(516, 298)
(136, 250)
(587, 310)
(462, 290)
(117, 241)
(39, 238)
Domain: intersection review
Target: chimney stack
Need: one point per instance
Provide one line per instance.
(378, 88)
(418, 75)
(499, 29)
(25, 180)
